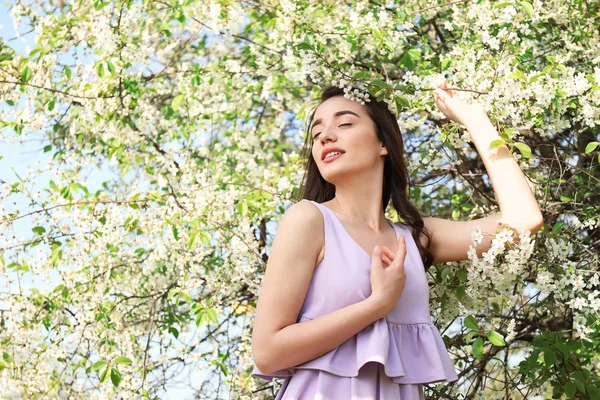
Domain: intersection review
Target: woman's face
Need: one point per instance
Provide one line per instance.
(346, 125)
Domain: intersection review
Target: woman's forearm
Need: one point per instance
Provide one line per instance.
(517, 203)
(305, 341)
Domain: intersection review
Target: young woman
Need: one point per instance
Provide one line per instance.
(343, 311)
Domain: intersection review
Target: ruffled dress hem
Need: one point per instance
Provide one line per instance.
(411, 353)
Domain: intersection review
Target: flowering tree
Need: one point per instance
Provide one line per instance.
(137, 281)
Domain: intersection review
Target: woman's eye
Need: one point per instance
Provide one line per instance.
(346, 124)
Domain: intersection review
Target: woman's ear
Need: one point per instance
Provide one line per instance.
(383, 147)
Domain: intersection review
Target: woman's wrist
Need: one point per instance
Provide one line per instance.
(477, 120)
(378, 306)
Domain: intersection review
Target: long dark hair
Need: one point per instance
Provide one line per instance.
(395, 174)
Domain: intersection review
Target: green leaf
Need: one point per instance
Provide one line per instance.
(38, 230)
(200, 318)
(406, 61)
(379, 83)
(580, 386)
(115, 376)
(67, 71)
(593, 391)
(478, 348)
(557, 227)
(535, 78)
(212, 315)
(455, 214)
(111, 67)
(377, 34)
(460, 292)
(51, 104)
(177, 101)
(98, 365)
(496, 143)
(496, 338)
(26, 74)
(242, 208)
(304, 46)
(104, 375)
(205, 238)
(445, 272)
(591, 146)
(192, 239)
(174, 332)
(539, 341)
(471, 323)
(570, 390)
(100, 70)
(527, 7)
(517, 75)
(360, 75)
(504, 135)
(415, 54)
(581, 376)
(470, 335)
(401, 103)
(187, 297)
(398, 104)
(122, 360)
(549, 357)
(33, 52)
(524, 149)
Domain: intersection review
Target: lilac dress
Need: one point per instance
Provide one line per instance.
(389, 359)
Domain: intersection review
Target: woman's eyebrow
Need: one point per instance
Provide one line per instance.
(337, 114)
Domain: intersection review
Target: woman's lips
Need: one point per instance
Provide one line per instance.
(332, 158)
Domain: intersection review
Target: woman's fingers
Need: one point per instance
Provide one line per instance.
(386, 259)
(388, 256)
(389, 253)
(448, 90)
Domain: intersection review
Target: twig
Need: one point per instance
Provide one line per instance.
(462, 90)
(438, 6)
(56, 90)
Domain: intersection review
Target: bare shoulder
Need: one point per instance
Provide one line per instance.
(290, 269)
(304, 216)
(303, 224)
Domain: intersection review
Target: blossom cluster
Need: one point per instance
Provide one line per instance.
(352, 93)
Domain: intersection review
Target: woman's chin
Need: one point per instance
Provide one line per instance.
(337, 177)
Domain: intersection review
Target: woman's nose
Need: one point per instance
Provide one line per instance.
(327, 134)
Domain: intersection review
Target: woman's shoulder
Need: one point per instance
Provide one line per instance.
(303, 217)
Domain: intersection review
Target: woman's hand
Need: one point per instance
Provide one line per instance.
(387, 282)
(454, 108)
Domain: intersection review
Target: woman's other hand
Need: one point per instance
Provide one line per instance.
(387, 282)
(454, 108)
